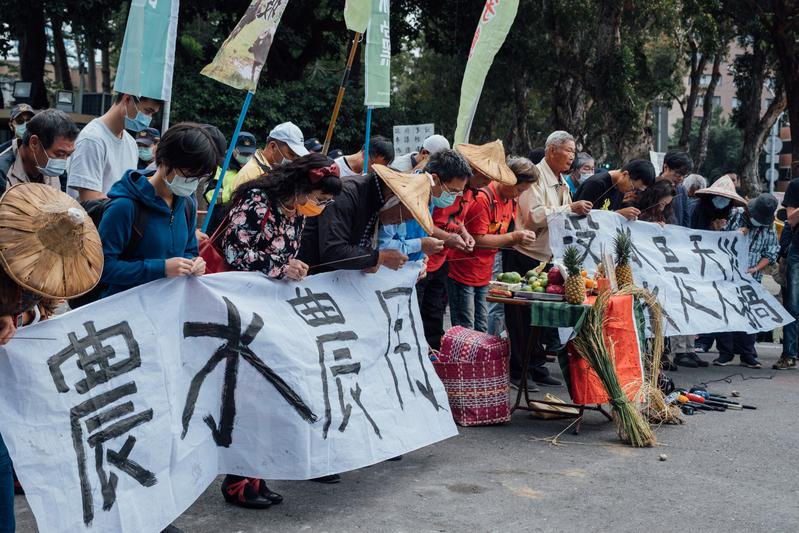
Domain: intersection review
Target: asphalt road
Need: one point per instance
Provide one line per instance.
(725, 472)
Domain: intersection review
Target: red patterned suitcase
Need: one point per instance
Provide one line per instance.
(473, 367)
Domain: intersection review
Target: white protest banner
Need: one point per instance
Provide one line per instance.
(119, 415)
(699, 277)
(409, 139)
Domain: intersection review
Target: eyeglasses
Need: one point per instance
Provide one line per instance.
(323, 203)
(195, 178)
(447, 189)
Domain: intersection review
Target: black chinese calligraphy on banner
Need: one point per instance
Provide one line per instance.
(136, 403)
(699, 277)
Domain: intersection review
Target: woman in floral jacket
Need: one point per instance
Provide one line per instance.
(264, 231)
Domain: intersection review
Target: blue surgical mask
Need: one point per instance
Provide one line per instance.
(719, 202)
(181, 186)
(446, 199)
(20, 129)
(284, 161)
(585, 176)
(53, 168)
(140, 122)
(145, 153)
(755, 223)
(243, 159)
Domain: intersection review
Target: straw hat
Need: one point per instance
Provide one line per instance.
(722, 187)
(48, 244)
(489, 159)
(413, 190)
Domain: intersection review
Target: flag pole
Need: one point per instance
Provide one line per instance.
(228, 156)
(340, 98)
(368, 135)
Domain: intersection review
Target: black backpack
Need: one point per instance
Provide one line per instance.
(96, 209)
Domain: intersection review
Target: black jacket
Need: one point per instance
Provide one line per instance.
(334, 235)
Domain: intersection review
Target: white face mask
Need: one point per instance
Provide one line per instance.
(285, 160)
(181, 186)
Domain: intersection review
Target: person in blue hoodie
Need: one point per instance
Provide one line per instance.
(168, 247)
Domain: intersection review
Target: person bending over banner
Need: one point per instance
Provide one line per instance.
(712, 213)
(343, 237)
(617, 190)
(262, 233)
(161, 202)
(655, 203)
(49, 233)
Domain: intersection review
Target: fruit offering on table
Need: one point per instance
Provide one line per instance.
(623, 246)
(509, 277)
(574, 288)
(555, 277)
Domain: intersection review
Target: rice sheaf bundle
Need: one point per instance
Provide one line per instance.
(591, 345)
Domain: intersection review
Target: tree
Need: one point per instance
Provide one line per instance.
(28, 28)
(752, 76)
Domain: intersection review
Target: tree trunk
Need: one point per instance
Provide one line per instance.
(91, 54)
(698, 63)
(786, 48)
(700, 150)
(61, 64)
(33, 50)
(521, 142)
(636, 143)
(105, 61)
(749, 166)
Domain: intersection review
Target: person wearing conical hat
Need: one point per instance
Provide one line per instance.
(489, 221)
(49, 248)
(715, 205)
(407, 225)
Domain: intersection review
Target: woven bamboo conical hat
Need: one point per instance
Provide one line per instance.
(48, 244)
(489, 159)
(413, 190)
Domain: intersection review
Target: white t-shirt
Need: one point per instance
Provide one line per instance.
(100, 158)
(344, 168)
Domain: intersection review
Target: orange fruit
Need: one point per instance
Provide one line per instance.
(589, 283)
(584, 273)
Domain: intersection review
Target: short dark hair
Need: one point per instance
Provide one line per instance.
(381, 147)
(641, 170)
(119, 96)
(537, 154)
(49, 125)
(219, 142)
(448, 165)
(679, 162)
(190, 147)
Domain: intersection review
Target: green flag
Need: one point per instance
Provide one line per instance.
(239, 61)
(496, 20)
(356, 14)
(147, 58)
(378, 57)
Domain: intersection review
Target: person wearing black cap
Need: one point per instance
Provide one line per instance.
(242, 154)
(17, 123)
(313, 145)
(146, 141)
(763, 251)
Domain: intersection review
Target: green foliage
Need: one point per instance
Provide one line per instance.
(725, 140)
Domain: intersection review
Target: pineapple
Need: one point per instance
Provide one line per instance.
(624, 272)
(574, 287)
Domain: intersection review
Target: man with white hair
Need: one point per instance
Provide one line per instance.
(549, 195)
(413, 160)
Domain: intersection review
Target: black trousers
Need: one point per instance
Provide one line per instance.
(736, 342)
(432, 293)
(517, 321)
